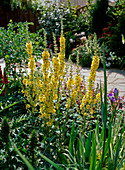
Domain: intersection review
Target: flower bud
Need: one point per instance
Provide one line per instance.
(116, 93)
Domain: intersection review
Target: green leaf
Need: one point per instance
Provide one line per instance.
(88, 147)
(72, 139)
(6, 107)
(2, 89)
(93, 157)
(117, 152)
(23, 158)
(51, 162)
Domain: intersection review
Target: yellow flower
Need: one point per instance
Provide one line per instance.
(49, 123)
(62, 43)
(68, 103)
(25, 81)
(27, 106)
(85, 114)
(32, 64)
(77, 81)
(45, 55)
(70, 83)
(29, 47)
(87, 106)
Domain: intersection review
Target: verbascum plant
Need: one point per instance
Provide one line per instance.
(89, 102)
(62, 52)
(43, 91)
(29, 82)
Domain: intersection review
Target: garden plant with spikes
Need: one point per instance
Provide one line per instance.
(44, 89)
(66, 125)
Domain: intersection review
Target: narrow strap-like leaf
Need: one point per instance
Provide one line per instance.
(51, 162)
(23, 158)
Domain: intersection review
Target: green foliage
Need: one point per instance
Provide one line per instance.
(23, 158)
(92, 47)
(12, 103)
(112, 37)
(50, 19)
(22, 4)
(5, 130)
(13, 44)
(33, 145)
(98, 19)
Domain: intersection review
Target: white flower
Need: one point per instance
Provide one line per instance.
(123, 40)
(108, 64)
(83, 38)
(82, 33)
(71, 40)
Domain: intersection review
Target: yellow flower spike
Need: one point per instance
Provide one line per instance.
(32, 64)
(62, 43)
(70, 83)
(91, 82)
(29, 47)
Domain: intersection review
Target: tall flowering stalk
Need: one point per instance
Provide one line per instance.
(88, 102)
(29, 82)
(62, 52)
(47, 91)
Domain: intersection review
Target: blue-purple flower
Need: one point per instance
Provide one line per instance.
(116, 92)
(110, 95)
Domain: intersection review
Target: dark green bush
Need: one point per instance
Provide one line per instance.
(98, 16)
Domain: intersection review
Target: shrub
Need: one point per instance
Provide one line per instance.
(98, 16)
(88, 49)
(112, 37)
(50, 19)
(12, 44)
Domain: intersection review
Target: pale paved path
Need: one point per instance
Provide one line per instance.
(115, 77)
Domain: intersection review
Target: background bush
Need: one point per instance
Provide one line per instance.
(13, 44)
(50, 19)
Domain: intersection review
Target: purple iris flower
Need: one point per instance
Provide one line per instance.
(116, 92)
(113, 99)
(110, 95)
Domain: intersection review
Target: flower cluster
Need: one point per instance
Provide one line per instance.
(89, 102)
(29, 82)
(115, 99)
(43, 90)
